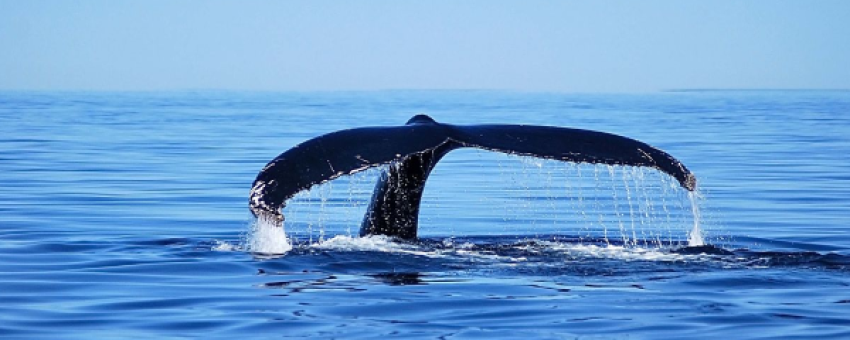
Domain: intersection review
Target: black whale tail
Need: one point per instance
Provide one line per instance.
(412, 150)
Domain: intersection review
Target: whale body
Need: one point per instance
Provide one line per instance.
(412, 150)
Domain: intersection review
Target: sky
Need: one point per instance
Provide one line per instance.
(319, 45)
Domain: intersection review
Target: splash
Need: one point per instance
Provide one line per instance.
(607, 251)
(379, 243)
(225, 246)
(695, 237)
(507, 254)
(266, 237)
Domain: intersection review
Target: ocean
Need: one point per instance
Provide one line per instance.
(125, 215)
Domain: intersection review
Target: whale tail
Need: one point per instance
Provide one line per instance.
(412, 150)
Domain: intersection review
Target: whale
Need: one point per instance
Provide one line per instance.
(411, 152)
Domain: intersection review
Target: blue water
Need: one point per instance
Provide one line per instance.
(124, 215)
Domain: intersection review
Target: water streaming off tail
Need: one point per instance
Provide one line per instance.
(266, 237)
(481, 193)
(695, 236)
(332, 208)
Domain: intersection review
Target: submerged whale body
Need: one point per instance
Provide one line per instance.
(412, 150)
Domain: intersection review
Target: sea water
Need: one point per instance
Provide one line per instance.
(124, 215)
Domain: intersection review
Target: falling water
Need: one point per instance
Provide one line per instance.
(695, 236)
(266, 237)
(617, 205)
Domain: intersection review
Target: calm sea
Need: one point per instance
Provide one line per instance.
(124, 215)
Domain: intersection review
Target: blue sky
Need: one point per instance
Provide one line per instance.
(563, 46)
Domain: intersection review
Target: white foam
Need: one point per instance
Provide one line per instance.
(616, 252)
(378, 243)
(466, 250)
(267, 237)
(224, 246)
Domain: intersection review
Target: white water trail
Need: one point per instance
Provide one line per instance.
(267, 237)
(695, 237)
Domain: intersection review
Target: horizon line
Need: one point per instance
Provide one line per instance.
(671, 90)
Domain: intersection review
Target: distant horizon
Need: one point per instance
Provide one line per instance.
(428, 90)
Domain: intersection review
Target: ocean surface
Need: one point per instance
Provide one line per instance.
(124, 215)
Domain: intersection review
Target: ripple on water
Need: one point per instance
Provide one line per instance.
(122, 213)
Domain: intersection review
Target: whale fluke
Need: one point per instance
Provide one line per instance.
(412, 150)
